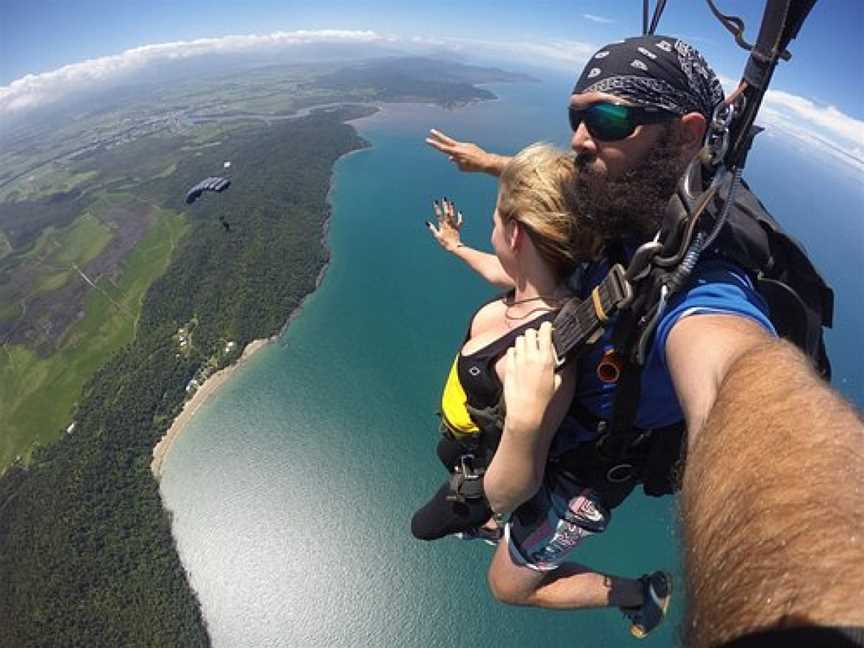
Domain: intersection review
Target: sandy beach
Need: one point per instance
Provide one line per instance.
(215, 382)
(205, 391)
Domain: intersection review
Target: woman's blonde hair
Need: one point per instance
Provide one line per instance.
(537, 189)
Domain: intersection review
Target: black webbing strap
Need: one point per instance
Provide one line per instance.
(781, 22)
(622, 429)
(582, 321)
(466, 482)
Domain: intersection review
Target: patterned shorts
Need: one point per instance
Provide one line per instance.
(544, 530)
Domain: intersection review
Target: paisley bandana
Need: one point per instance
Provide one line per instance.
(654, 71)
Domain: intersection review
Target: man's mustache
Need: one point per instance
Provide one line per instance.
(583, 161)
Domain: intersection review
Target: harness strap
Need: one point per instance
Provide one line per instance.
(489, 419)
(466, 482)
(582, 321)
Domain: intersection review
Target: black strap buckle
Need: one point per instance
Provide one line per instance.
(582, 321)
(466, 482)
(620, 289)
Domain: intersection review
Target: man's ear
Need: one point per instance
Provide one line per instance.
(691, 133)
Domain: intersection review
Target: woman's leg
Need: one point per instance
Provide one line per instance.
(440, 517)
(570, 586)
(530, 568)
(449, 451)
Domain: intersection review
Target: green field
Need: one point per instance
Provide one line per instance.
(46, 180)
(81, 242)
(37, 395)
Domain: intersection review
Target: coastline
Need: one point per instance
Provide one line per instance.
(215, 382)
(210, 387)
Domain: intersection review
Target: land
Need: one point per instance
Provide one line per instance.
(201, 394)
(118, 300)
(87, 220)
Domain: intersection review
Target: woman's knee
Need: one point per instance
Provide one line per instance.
(507, 590)
(423, 528)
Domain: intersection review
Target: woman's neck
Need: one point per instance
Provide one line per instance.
(538, 285)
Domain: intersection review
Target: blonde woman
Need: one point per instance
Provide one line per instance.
(500, 462)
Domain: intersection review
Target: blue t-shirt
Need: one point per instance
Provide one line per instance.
(716, 286)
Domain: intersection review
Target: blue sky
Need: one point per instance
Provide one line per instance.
(823, 81)
(39, 35)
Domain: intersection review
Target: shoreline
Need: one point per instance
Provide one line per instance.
(214, 383)
(210, 387)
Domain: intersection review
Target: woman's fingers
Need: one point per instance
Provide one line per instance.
(448, 212)
(531, 340)
(536, 344)
(544, 337)
(510, 362)
(519, 345)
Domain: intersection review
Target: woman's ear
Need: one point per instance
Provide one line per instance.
(515, 234)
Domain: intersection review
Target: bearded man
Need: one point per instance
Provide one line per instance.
(754, 409)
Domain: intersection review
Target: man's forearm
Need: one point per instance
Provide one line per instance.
(494, 164)
(772, 502)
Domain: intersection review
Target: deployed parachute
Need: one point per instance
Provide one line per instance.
(207, 184)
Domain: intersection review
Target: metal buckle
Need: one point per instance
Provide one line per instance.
(640, 264)
(467, 468)
(718, 133)
(622, 291)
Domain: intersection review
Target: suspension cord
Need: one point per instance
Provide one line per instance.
(658, 11)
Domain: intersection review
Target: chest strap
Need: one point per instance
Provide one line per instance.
(582, 321)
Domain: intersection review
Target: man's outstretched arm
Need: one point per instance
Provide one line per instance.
(467, 155)
(773, 491)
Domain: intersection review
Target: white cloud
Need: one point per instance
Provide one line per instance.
(38, 89)
(821, 127)
(598, 19)
(824, 127)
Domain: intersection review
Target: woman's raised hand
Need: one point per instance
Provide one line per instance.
(466, 155)
(530, 380)
(449, 222)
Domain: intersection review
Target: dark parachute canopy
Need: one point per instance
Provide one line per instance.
(212, 183)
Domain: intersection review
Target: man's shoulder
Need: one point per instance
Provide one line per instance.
(718, 286)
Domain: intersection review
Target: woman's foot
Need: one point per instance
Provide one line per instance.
(656, 592)
(490, 536)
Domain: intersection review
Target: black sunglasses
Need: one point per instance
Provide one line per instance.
(609, 122)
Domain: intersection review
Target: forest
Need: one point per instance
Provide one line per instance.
(86, 552)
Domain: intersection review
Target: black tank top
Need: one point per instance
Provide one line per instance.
(477, 370)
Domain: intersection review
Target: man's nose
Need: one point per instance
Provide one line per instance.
(582, 142)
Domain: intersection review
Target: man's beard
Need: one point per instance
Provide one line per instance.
(630, 207)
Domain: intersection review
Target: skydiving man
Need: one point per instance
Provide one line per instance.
(755, 410)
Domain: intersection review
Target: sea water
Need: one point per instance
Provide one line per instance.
(293, 488)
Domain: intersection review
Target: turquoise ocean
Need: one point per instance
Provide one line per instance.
(292, 489)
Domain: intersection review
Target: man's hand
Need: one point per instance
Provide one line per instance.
(466, 155)
(449, 224)
(530, 381)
